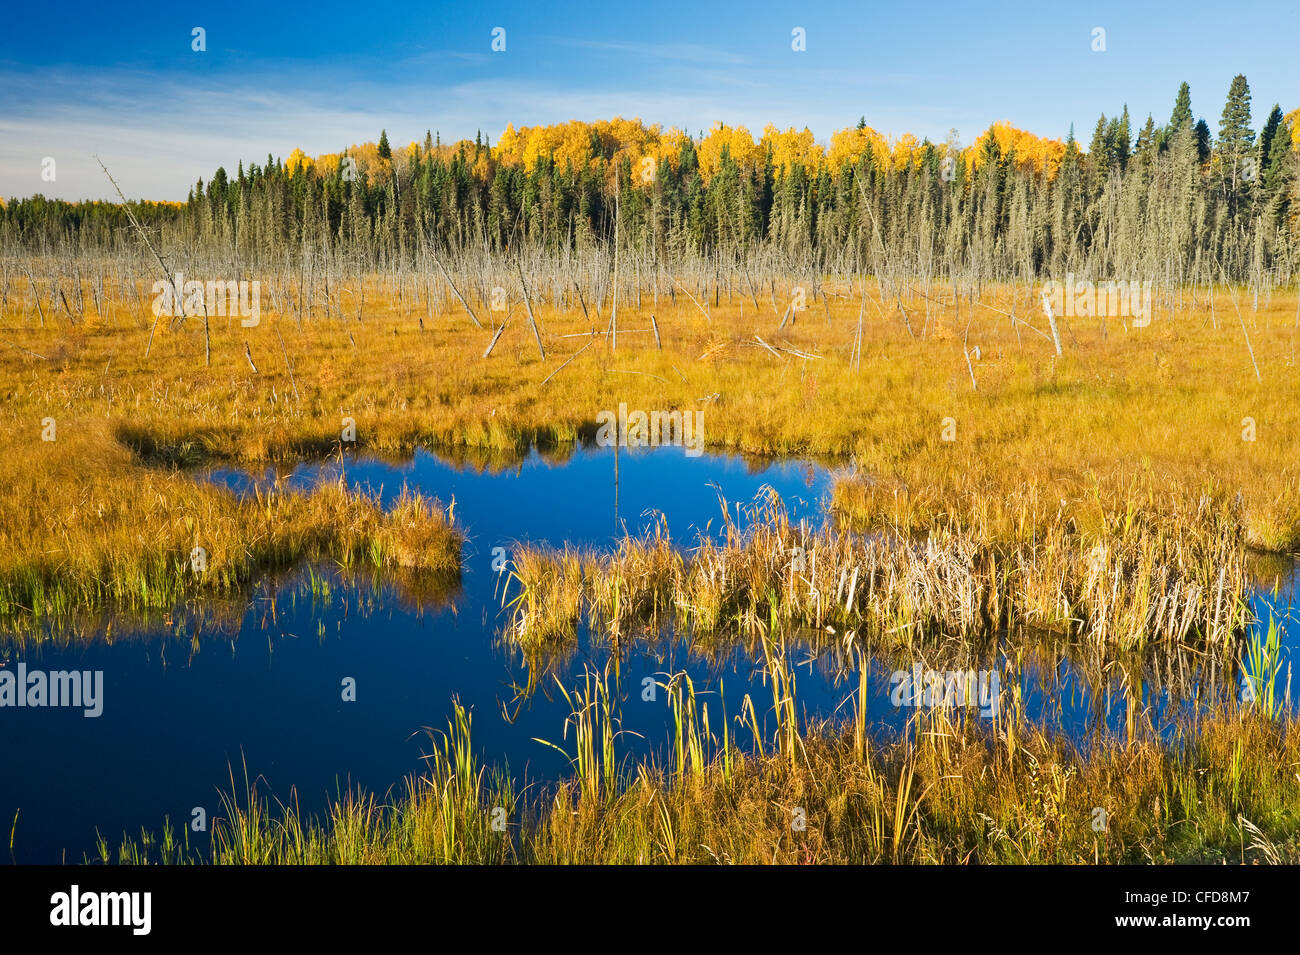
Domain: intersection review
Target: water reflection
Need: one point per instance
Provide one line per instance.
(257, 680)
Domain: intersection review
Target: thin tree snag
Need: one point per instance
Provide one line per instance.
(532, 321)
(775, 353)
(36, 294)
(786, 317)
(167, 276)
(898, 300)
(72, 319)
(455, 291)
(567, 360)
(613, 314)
(1051, 320)
(287, 364)
(583, 302)
(493, 344)
(702, 309)
(965, 350)
(855, 357)
(207, 337)
(139, 228)
(26, 351)
(753, 296)
(1250, 348)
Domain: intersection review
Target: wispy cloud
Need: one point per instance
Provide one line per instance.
(127, 85)
(160, 131)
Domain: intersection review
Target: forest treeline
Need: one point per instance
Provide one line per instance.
(1168, 202)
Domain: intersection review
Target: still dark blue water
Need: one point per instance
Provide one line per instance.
(190, 701)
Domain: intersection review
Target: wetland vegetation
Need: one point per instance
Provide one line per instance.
(1107, 503)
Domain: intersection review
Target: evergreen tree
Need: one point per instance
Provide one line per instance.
(1202, 141)
(1235, 162)
(1008, 212)
(1123, 138)
(1148, 142)
(385, 152)
(1098, 162)
(1275, 120)
(1182, 109)
(1279, 172)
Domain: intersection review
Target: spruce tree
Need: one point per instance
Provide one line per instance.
(1235, 134)
(1236, 167)
(1182, 109)
(1098, 162)
(1266, 137)
(1280, 168)
(1202, 141)
(1123, 138)
(1148, 141)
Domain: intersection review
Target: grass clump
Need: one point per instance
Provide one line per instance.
(950, 790)
(1123, 589)
(88, 527)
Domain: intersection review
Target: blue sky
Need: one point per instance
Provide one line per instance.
(121, 80)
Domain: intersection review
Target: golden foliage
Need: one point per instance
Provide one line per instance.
(1032, 153)
(298, 160)
(849, 145)
(736, 140)
(327, 164)
(574, 144)
(907, 151)
(604, 144)
(790, 147)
